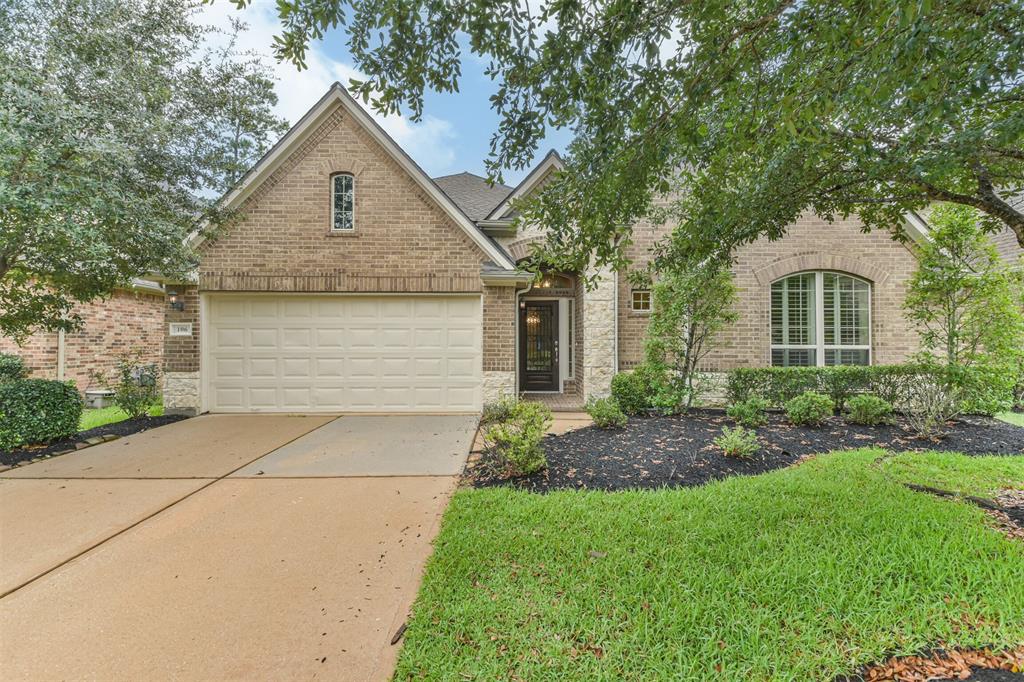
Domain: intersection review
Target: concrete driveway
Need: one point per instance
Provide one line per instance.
(224, 547)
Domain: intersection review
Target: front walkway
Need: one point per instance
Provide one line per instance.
(224, 547)
(558, 402)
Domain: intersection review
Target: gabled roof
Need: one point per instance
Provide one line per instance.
(475, 195)
(293, 139)
(550, 161)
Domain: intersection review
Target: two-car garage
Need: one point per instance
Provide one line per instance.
(341, 353)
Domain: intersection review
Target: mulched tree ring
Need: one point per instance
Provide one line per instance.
(122, 428)
(677, 451)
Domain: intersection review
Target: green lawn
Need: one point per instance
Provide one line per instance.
(109, 415)
(799, 574)
(1012, 418)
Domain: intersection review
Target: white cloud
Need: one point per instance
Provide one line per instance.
(429, 142)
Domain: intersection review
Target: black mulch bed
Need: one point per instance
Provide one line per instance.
(655, 452)
(121, 428)
(987, 675)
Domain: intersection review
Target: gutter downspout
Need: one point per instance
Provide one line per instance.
(61, 354)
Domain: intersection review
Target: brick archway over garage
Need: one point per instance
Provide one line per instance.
(821, 261)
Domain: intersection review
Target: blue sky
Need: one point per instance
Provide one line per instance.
(456, 129)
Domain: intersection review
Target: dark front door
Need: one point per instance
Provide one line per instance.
(538, 346)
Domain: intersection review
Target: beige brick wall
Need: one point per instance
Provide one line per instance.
(125, 322)
(402, 240)
(181, 353)
(499, 329)
(811, 243)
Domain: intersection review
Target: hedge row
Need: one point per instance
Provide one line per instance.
(37, 411)
(983, 390)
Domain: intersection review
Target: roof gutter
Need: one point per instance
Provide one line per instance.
(506, 278)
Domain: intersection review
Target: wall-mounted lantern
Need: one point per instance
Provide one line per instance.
(175, 300)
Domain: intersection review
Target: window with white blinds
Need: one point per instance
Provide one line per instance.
(820, 318)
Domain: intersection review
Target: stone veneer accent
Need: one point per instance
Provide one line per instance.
(599, 335)
(497, 385)
(181, 393)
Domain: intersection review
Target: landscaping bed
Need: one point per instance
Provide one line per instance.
(677, 451)
(122, 428)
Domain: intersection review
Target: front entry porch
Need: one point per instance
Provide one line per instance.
(557, 402)
(548, 343)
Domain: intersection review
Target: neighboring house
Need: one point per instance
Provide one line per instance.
(130, 319)
(352, 282)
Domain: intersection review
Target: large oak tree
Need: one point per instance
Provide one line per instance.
(121, 121)
(747, 111)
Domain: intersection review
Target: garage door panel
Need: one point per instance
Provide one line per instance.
(343, 353)
(263, 337)
(297, 308)
(296, 339)
(329, 368)
(297, 368)
(266, 308)
(395, 339)
(462, 339)
(330, 338)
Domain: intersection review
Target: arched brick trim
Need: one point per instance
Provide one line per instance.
(334, 166)
(821, 261)
(524, 247)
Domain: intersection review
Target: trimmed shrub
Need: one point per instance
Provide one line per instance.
(12, 368)
(979, 389)
(749, 412)
(633, 390)
(498, 411)
(516, 441)
(37, 411)
(809, 408)
(869, 410)
(606, 413)
(777, 385)
(843, 382)
(738, 442)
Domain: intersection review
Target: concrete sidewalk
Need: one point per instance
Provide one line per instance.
(140, 565)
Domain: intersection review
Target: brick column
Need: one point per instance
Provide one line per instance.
(181, 355)
(499, 343)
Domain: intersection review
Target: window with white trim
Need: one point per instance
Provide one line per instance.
(820, 319)
(641, 300)
(343, 201)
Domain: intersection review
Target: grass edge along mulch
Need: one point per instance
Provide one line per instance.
(810, 572)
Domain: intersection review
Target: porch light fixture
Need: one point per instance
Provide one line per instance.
(175, 301)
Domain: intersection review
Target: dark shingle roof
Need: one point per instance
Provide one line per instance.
(472, 193)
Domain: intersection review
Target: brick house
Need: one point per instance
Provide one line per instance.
(354, 282)
(130, 320)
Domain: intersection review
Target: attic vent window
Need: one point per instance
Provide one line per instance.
(343, 202)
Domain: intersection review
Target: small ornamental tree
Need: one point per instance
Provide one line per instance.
(692, 304)
(963, 300)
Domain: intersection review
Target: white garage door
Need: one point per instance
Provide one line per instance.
(282, 353)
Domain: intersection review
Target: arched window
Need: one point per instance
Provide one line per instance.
(343, 202)
(821, 318)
